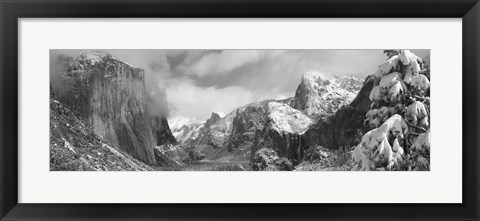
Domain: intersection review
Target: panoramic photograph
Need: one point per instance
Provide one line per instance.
(239, 110)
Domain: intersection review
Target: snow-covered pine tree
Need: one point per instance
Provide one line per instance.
(399, 116)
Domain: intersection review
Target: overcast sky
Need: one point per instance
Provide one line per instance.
(196, 82)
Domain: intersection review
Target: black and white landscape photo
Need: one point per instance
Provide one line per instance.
(239, 110)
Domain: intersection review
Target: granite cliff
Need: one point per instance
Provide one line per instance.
(110, 95)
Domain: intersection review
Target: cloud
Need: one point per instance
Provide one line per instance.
(223, 62)
(187, 99)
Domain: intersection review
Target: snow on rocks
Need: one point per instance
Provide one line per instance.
(68, 145)
(318, 94)
(285, 118)
(184, 128)
(92, 57)
(95, 57)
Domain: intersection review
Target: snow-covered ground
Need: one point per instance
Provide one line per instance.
(286, 119)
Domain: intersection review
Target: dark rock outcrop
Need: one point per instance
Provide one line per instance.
(247, 122)
(213, 118)
(267, 160)
(110, 94)
(345, 127)
(161, 131)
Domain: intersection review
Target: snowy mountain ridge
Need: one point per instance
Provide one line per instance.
(318, 94)
(184, 128)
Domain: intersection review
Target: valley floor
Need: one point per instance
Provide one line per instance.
(318, 159)
(207, 165)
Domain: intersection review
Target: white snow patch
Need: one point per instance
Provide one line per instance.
(178, 122)
(95, 57)
(68, 145)
(287, 119)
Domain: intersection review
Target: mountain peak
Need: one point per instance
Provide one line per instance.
(95, 57)
(315, 76)
(213, 118)
(92, 57)
(318, 94)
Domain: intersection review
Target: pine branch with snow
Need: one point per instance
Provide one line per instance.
(399, 117)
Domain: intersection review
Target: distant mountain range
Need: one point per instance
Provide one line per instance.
(278, 124)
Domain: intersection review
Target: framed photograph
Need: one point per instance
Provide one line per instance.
(239, 110)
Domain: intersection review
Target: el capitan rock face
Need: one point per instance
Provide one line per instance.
(75, 147)
(110, 94)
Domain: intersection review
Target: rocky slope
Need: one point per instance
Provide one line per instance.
(346, 126)
(74, 146)
(350, 83)
(266, 124)
(216, 133)
(319, 95)
(110, 94)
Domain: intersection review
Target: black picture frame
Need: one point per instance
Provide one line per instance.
(12, 10)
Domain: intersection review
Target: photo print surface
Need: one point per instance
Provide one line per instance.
(240, 110)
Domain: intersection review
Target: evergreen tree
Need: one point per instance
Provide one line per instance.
(399, 117)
